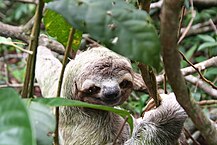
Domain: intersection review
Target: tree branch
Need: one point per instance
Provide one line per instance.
(197, 3)
(205, 3)
(199, 83)
(13, 32)
(212, 62)
(171, 58)
(31, 62)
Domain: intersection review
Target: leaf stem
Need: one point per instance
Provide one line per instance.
(150, 82)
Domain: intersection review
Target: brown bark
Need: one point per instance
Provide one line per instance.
(169, 27)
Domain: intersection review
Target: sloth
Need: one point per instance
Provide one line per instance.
(100, 76)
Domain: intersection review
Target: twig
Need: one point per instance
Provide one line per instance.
(119, 132)
(16, 46)
(213, 25)
(207, 102)
(171, 59)
(198, 71)
(212, 62)
(193, 15)
(68, 48)
(206, 88)
(189, 135)
(200, 28)
(91, 40)
(28, 1)
(180, 22)
(15, 85)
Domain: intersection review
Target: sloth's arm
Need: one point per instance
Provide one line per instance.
(161, 126)
(47, 71)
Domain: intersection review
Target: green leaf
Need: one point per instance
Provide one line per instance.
(15, 126)
(207, 45)
(206, 38)
(54, 102)
(43, 121)
(57, 27)
(114, 20)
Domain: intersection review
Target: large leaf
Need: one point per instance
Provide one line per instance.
(111, 20)
(43, 121)
(54, 102)
(15, 126)
(57, 27)
(206, 38)
(207, 45)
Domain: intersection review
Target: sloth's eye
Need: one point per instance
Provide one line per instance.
(126, 84)
(93, 90)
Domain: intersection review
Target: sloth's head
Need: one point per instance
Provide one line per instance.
(98, 76)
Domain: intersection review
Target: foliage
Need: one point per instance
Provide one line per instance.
(15, 126)
(55, 102)
(57, 27)
(119, 25)
(35, 121)
(15, 12)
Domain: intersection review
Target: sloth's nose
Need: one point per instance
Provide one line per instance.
(111, 93)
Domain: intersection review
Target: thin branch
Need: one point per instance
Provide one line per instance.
(193, 15)
(212, 62)
(16, 46)
(197, 3)
(169, 26)
(30, 70)
(200, 84)
(119, 132)
(68, 48)
(189, 135)
(213, 25)
(198, 71)
(200, 28)
(205, 3)
(180, 22)
(92, 41)
(13, 32)
(28, 1)
(207, 102)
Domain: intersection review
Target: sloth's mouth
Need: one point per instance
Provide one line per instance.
(103, 101)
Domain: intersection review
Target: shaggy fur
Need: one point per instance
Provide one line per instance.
(100, 76)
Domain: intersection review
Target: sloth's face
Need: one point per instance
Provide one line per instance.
(108, 82)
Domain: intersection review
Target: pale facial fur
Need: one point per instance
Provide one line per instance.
(103, 78)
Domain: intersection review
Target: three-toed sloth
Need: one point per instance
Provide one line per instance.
(100, 76)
